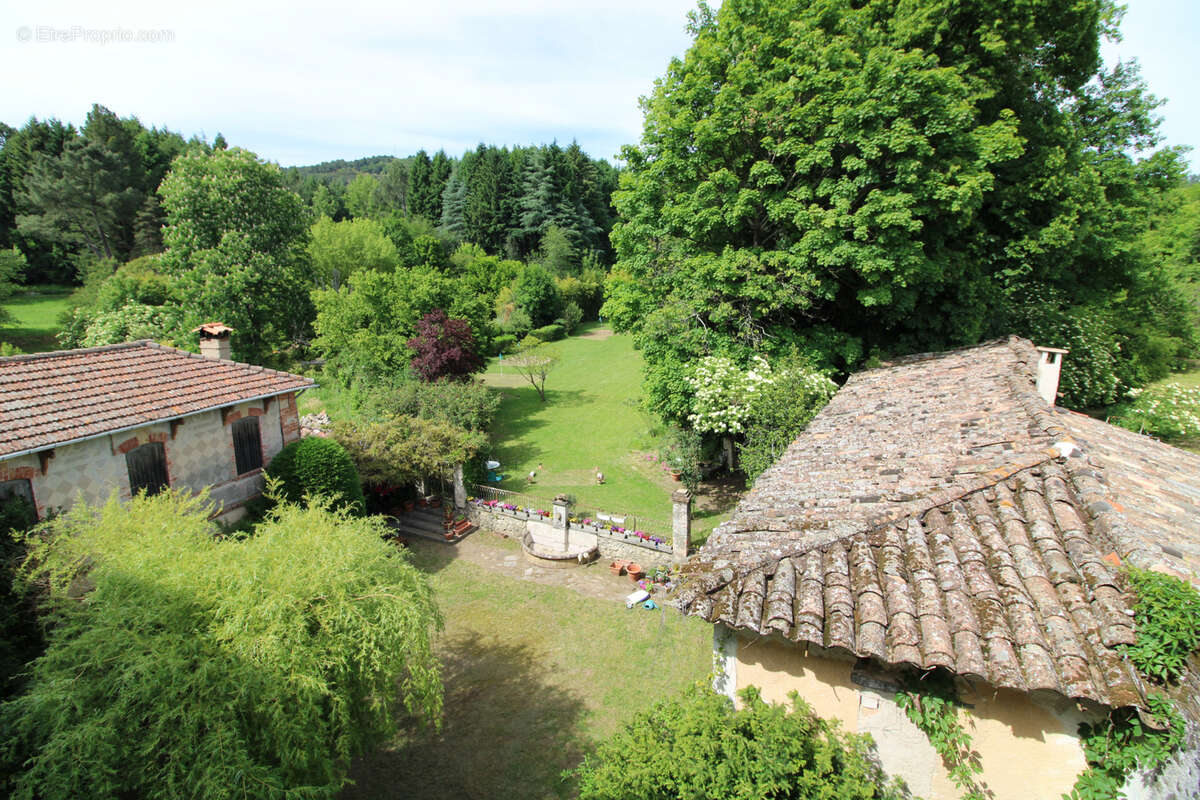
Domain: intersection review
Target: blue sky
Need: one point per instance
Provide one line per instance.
(302, 82)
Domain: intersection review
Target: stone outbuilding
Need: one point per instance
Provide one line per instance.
(940, 515)
(140, 416)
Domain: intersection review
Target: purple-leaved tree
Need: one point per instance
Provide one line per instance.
(444, 347)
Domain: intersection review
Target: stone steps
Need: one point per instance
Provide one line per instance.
(426, 523)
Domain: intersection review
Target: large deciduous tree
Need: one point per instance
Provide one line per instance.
(364, 327)
(236, 247)
(337, 249)
(842, 176)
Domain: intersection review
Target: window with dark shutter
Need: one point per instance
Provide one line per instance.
(247, 445)
(16, 503)
(147, 468)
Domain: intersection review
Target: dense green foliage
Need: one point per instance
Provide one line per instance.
(235, 244)
(852, 177)
(317, 466)
(1173, 240)
(400, 449)
(469, 405)
(337, 249)
(12, 268)
(536, 293)
(696, 745)
(503, 200)
(213, 668)
(1167, 613)
(364, 327)
(70, 195)
(548, 333)
(20, 635)
(779, 412)
(1170, 411)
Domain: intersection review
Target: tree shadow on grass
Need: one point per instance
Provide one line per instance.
(431, 557)
(520, 414)
(507, 733)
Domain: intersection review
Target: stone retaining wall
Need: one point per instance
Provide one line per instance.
(614, 549)
(497, 523)
(610, 546)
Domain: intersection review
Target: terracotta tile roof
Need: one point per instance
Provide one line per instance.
(48, 399)
(937, 513)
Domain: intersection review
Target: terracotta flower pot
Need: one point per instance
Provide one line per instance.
(634, 571)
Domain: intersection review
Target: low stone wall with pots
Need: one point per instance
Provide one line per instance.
(627, 538)
(617, 549)
(612, 546)
(502, 524)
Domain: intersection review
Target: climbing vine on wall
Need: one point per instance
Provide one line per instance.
(1120, 743)
(931, 705)
(1167, 616)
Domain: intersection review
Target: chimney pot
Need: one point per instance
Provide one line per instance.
(214, 340)
(1049, 368)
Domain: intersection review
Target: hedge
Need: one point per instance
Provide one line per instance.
(503, 343)
(315, 465)
(548, 333)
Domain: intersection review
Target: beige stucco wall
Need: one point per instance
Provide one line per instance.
(1029, 750)
(199, 455)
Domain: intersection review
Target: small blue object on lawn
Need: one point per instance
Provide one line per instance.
(649, 604)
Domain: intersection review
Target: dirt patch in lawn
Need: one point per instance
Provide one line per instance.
(598, 333)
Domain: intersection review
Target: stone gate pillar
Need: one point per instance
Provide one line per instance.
(460, 489)
(681, 525)
(561, 518)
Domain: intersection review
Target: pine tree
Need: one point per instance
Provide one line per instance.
(421, 199)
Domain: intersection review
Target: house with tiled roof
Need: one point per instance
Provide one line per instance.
(140, 416)
(942, 517)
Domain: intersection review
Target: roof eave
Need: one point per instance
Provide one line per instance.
(156, 421)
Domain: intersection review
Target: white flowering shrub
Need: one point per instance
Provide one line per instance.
(780, 411)
(1169, 410)
(723, 392)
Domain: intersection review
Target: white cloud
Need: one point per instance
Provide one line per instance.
(304, 82)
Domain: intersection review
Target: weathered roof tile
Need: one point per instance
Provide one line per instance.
(48, 399)
(908, 527)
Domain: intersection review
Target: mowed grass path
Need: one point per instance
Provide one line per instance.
(590, 420)
(534, 676)
(35, 313)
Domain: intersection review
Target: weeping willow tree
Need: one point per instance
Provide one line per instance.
(182, 664)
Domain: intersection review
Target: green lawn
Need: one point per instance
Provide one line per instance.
(534, 676)
(591, 420)
(35, 313)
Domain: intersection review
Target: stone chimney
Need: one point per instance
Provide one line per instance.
(214, 340)
(1049, 366)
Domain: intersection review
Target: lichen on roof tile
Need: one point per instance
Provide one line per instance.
(926, 517)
